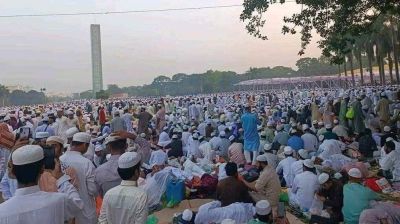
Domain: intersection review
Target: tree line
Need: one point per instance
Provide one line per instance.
(350, 32)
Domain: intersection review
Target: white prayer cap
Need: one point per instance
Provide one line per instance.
(262, 158)
(279, 127)
(40, 135)
(308, 163)
(321, 123)
(383, 94)
(70, 112)
(108, 156)
(282, 120)
(165, 128)
(195, 135)
(328, 126)
(143, 135)
(355, 172)
(187, 215)
(55, 139)
(174, 136)
(82, 137)
(337, 175)
(287, 150)
(27, 154)
(128, 160)
(263, 207)
(98, 148)
(45, 118)
(116, 112)
(228, 221)
(267, 147)
(305, 127)
(293, 131)
(315, 122)
(336, 121)
(110, 139)
(386, 129)
(71, 131)
(323, 178)
(222, 134)
(231, 138)
(303, 153)
(270, 123)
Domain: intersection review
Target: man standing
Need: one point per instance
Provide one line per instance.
(382, 109)
(30, 205)
(85, 173)
(117, 123)
(144, 119)
(125, 203)
(251, 137)
(106, 175)
(127, 117)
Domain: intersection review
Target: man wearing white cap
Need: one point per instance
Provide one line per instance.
(284, 166)
(309, 139)
(106, 175)
(30, 205)
(271, 157)
(304, 187)
(125, 203)
(85, 173)
(223, 145)
(356, 197)
(331, 194)
(267, 186)
(263, 213)
(390, 162)
(297, 166)
(117, 123)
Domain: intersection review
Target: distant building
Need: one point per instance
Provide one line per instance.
(97, 72)
(119, 95)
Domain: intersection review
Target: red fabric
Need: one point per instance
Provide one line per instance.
(371, 183)
(102, 117)
(99, 202)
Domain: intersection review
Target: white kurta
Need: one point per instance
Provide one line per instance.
(391, 162)
(212, 212)
(285, 165)
(303, 189)
(124, 204)
(87, 187)
(30, 205)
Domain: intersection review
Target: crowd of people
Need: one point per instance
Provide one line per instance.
(333, 152)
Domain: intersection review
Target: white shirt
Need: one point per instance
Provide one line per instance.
(391, 162)
(30, 205)
(87, 187)
(336, 162)
(310, 142)
(124, 204)
(206, 151)
(296, 168)
(212, 212)
(164, 139)
(304, 187)
(215, 142)
(285, 165)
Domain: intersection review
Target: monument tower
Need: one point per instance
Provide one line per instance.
(97, 72)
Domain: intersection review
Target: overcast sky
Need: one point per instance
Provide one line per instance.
(54, 52)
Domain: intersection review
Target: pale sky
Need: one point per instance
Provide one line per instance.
(54, 52)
